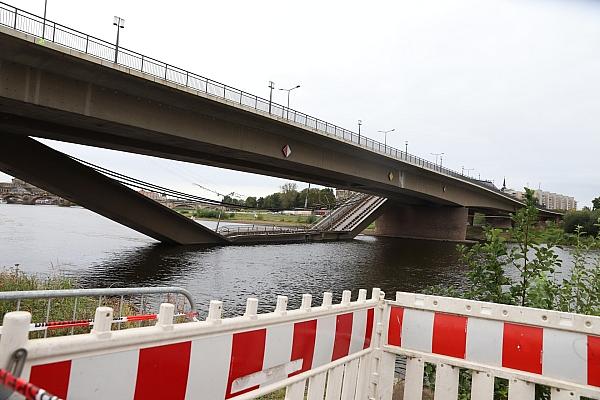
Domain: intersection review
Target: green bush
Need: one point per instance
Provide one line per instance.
(13, 279)
(210, 213)
(587, 219)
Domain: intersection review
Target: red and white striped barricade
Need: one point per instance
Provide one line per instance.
(524, 345)
(242, 357)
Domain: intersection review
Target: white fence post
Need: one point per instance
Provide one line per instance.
(15, 334)
(281, 305)
(306, 302)
(520, 390)
(446, 382)
(215, 311)
(327, 299)
(165, 316)
(102, 322)
(482, 386)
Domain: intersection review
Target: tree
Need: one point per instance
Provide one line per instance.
(596, 203)
(251, 202)
(289, 195)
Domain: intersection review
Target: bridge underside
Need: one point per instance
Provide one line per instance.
(50, 92)
(57, 173)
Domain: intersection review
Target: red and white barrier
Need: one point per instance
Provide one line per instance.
(345, 351)
(217, 359)
(555, 345)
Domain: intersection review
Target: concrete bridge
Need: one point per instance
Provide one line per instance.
(67, 87)
(27, 198)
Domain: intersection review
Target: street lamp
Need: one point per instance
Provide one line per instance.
(385, 135)
(466, 169)
(271, 86)
(119, 23)
(359, 124)
(288, 98)
(436, 157)
(44, 26)
(406, 147)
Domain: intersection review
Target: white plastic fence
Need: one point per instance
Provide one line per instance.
(325, 348)
(344, 351)
(526, 346)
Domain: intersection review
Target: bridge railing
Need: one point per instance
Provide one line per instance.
(261, 229)
(71, 311)
(51, 31)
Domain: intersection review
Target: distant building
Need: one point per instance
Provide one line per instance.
(549, 200)
(153, 195)
(555, 201)
(5, 187)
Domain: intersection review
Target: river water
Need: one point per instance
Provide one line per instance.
(99, 253)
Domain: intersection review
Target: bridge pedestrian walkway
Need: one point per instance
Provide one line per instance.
(348, 351)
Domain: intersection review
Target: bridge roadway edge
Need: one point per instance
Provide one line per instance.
(57, 173)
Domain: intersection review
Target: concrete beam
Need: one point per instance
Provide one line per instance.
(57, 173)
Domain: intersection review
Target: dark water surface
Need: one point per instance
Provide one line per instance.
(100, 253)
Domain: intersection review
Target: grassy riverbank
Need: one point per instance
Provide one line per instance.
(14, 279)
(258, 218)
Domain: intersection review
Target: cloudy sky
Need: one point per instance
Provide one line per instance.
(510, 88)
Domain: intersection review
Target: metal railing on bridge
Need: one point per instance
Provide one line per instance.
(52, 31)
(262, 230)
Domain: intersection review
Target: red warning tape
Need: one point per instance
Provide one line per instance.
(21, 386)
(51, 325)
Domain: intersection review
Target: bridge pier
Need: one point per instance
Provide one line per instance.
(423, 222)
(51, 170)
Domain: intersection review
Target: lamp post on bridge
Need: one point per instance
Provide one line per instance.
(385, 135)
(288, 98)
(359, 124)
(44, 26)
(271, 86)
(119, 23)
(406, 147)
(436, 157)
(466, 169)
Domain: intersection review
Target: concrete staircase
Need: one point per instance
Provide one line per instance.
(354, 215)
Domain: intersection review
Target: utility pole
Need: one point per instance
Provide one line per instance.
(359, 124)
(119, 23)
(271, 86)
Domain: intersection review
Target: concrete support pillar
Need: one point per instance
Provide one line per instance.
(421, 222)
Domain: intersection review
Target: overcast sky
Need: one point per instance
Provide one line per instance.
(510, 88)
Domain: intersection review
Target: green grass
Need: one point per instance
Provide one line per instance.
(251, 218)
(14, 279)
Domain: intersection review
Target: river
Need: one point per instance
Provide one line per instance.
(99, 252)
